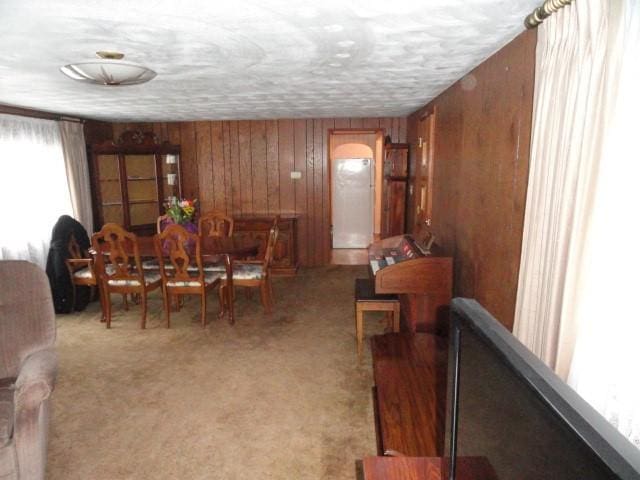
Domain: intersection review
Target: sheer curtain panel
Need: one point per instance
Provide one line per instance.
(34, 191)
(578, 277)
(77, 168)
(605, 364)
(568, 120)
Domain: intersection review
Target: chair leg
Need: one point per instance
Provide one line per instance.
(203, 308)
(73, 297)
(102, 297)
(143, 322)
(359, 330)
(396, 317)
(125, 301)
(264, 295)
(167, 306)
(270, 290)
(107, 307)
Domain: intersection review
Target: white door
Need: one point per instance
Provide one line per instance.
(352, 202)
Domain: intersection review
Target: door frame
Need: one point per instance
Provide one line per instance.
(378, 177)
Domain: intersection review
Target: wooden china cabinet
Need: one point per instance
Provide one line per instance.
(132, 177)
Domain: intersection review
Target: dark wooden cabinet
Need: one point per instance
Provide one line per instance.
(285, 256)
(394, 194)
(132, 178)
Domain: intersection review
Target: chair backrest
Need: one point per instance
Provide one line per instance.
(74, 249)
(179, 248)
(27, 319)
(117, 254)
(215, 223)
(271, 245)
(159, 223)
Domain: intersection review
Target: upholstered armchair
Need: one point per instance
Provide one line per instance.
(28, 367)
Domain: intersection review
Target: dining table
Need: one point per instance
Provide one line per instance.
(236, 247)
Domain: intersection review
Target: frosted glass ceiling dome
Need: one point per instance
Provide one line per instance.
(108, 70)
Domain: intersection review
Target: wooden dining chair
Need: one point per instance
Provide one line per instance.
(181, 268)
(82, 272)
(119, 268)
(255, 273)
(215, 223)
(152, 264)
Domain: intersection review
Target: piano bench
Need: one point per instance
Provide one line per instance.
(367, 300)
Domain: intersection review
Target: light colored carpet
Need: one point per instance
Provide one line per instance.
(271, 397)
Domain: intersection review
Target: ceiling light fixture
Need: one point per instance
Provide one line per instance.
(108, 70)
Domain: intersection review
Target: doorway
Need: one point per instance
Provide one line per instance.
(355, 157)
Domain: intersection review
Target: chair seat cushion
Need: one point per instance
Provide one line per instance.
(209, 278)
(215, 267)
(6, 412)
(149, 278)
(366, 292)
(151, 265)
(84, 273)
(246, 272)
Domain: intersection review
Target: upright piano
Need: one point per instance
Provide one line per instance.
(421, 277)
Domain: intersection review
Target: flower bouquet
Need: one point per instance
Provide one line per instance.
(181, 211)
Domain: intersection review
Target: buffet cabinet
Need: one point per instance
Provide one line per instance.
(132, 179)
(256, 227)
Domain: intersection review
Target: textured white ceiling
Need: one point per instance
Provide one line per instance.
(248, 59)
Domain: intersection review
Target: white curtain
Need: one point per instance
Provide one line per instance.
(565, 147)
(77, 168)
(34, 190)
(580, 258)
(607, 352)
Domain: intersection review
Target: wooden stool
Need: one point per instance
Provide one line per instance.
(367, 300)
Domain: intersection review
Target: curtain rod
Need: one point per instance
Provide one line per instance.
(27, 112)
(549, 7)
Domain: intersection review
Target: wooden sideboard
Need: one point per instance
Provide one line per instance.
(285, 256)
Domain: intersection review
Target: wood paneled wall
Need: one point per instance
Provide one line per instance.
(244, 167)
(482, 137)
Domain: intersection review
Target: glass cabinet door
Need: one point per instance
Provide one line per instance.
(110, 191)
(170, 176)
(142, 188)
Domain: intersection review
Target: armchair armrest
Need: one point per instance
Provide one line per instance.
(78, 263)
(36, 379)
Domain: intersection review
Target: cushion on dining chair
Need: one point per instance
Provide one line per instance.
(209, 278)
(84, 273)
(246, 272)
(151, 265)
(149, 278)
(215, 267)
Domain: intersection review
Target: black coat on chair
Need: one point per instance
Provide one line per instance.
(59, 279)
